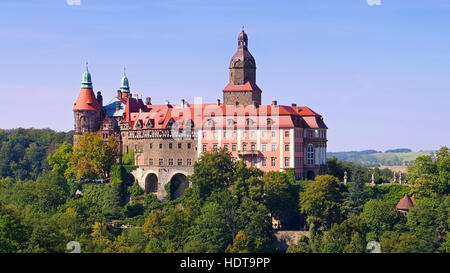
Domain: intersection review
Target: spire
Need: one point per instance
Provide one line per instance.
(86, 83)
(242, 38)
(124, 85)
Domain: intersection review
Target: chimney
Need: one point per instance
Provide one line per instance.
(148, 101)
(119, 94)
(294, 104)
(182, 103)
(99, 98)
(218, 102)
(167, 102)
(274, 103)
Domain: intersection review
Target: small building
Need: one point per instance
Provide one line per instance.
(405, 204)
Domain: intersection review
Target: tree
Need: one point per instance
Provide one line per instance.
(92, 157)
(13, 234)
(60, 159)
(322, 201)
(210, 227)
(253, 218)
(347, 237)
(241, 243)
(379, 216)
(213, 170)
(427, 221)
(302, 246)
(278, 197)
(357, 196)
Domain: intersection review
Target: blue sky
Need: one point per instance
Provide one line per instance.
(380, 75)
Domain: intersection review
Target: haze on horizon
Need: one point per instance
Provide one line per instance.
(379, 75)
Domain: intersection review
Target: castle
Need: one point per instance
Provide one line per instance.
(167, 139)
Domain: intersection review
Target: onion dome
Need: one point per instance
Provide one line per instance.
(124, 85)
(86, 98)
(86, 82)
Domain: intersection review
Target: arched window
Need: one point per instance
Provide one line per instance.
(310, 154)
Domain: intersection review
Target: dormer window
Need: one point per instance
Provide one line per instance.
(211, 122)
(249, 121)
(230, 122)
(270, 121)
(149, 124)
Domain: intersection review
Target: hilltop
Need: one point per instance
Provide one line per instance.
(373, 158)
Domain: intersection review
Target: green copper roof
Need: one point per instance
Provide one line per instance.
(86, 83)
(124, 86)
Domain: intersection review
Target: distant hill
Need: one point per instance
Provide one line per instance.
(373, 158)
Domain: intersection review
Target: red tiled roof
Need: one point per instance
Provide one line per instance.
(245, 87)
(86, 101)
(405, 203)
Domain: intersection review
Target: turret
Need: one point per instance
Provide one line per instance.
(86, 109)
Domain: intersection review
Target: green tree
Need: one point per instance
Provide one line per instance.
(92, 157)
(213, 170)
(379, 216)
(302, 246)
(241, 243)
(322, 201)
(210, 227)
(357, 196)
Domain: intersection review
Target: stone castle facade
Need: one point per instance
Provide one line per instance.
(167, 139)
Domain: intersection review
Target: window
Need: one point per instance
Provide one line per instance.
(215, 147)
(286, 161)
(269, 121)
(264, 147)
(286, 147)
(272, 161)
(179, 145)
(274, 147)
(253, 135)
(273, 133)
(204, 148)
(170, 161)
(233, 134)
(253, 147)
(151, 145)
(310, 134)
(286, 133)
(189, 145)
(244, 147)
(225, 147)
(310, 154)
(180, 161)
(170, 145)
(264, 134)
(244, 134)
(263, 161)
(215, 135)
(204, 134)
(160, 162)
(189, 162)
(160, 145)
(230, 122)
(225, 134)
(233, 147)
(150, 161)
(253, 161)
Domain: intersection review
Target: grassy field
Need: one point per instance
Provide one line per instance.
(402, 169)
(411, 156)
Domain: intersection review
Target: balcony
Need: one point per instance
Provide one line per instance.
(248, 152)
